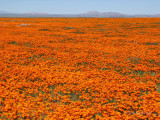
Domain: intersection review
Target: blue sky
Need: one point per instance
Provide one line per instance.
(81, 6)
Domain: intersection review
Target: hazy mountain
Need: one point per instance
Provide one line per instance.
(87, 14)
(91, 13)
(114, 14)
(156, 15)
(104, 14)
(4, 12)
(36, 13)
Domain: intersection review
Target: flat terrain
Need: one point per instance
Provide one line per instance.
(80, 68)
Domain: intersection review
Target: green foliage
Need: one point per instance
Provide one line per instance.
(44, 30)
(74, 96)
(12, 42)
(158, 87)
(134, 60)
(69, 27)
(152, 43)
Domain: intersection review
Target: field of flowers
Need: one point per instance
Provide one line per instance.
(80, 68)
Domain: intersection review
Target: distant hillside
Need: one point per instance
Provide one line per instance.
(87, 14)
(36, 13)
(104, 14)
(4, 12)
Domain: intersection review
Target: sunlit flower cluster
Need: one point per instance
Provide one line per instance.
(80, 68)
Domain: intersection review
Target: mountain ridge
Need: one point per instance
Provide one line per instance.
(86, 14)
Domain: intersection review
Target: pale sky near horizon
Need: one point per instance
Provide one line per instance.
(81, 6)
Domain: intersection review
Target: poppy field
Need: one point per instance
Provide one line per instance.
(80, 68)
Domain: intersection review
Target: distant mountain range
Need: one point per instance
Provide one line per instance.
(36, 13)
(4, 12)
(87, 14)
